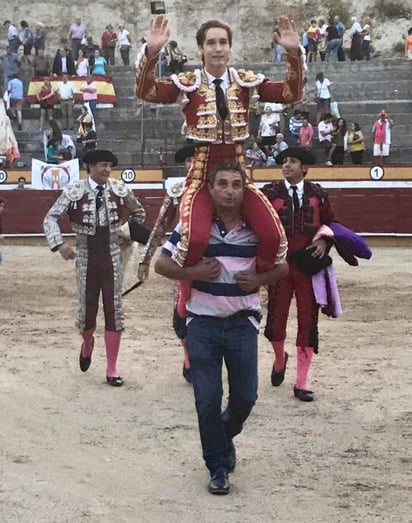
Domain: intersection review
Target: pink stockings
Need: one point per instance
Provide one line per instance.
(304, 360)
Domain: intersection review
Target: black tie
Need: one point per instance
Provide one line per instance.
(99, 196)
(295, 198)
(220, 99)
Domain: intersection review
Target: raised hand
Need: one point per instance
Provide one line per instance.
(287, 35)
(158, 34)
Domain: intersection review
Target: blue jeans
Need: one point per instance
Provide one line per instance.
(210, 341)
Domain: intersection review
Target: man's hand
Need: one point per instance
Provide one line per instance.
(318, 248)
(287, 35)
(247, 281)
(143, 272)
(158, 35)
(67, 252)
(206, 270)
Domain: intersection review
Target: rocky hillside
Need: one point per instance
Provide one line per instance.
(252, 22)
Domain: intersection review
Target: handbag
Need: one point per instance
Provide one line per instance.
(334, 109)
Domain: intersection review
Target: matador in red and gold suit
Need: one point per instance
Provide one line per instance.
(219, 135)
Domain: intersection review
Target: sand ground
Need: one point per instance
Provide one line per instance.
(74, 450)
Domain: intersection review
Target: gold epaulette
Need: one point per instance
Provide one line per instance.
(247, 76)
(188, 78)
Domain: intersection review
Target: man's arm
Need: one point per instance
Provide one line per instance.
(249, 281)
(207, 269)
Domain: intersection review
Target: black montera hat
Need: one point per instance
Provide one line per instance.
(185, 152)
(100, 155)
(305, 156)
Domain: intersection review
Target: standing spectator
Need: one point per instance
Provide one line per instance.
(333, 43)
(11, 66)
(39, 38)
(323, 96)
(304, 39)
(109, 39)
(366, 40)
(63, 63)
(339, 143)
(96, 207)
(303, 207)
(46, 97)
(125, 44)
(408, 44)
(325, 128)
(15, 90)
(82, 64)
(356, 40)
(27, 40)
(295, 123)
(277, 56)
(176, 57)
(65, 90)
(313, 34)
(225, 310)
(322, 42)
(306, 134)
(77, 32)
(99, 63)
(41, 64)
(268, 127)
(356, 142)
(382, 136)
(12, 36)
(89, 90)
(255, 157)
(340, 26)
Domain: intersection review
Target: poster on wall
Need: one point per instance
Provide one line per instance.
(54, 177)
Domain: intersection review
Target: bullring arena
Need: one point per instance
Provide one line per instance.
(74, 450)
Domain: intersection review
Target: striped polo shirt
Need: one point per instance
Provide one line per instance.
(236, 251)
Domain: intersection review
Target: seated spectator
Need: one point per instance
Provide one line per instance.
(82, 64)
(356, 142)
(47, 99)
(306, 134)
(98, 64)
(66, 148)
(255, 157)
(41, 64)
(53, 155)
(408, 44)
(21, 184)
(279, 146)
(63, 63)
(84, 118)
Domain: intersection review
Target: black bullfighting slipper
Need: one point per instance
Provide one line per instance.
(85, 362)
(116, 381)
(219, 482)
(278, 377)
(187, 374)
(303, 395)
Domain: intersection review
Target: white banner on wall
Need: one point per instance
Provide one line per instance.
(53, 177)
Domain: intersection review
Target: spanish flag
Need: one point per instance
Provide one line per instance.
(105, 88)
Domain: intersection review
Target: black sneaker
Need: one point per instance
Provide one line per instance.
(219, 482)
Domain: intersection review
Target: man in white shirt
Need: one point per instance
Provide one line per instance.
(65, 90)
(325, 128)
(356, 43)
(12, 36)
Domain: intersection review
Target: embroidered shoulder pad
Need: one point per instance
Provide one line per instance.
(119, 188)
(187, 78)
(74, 191)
